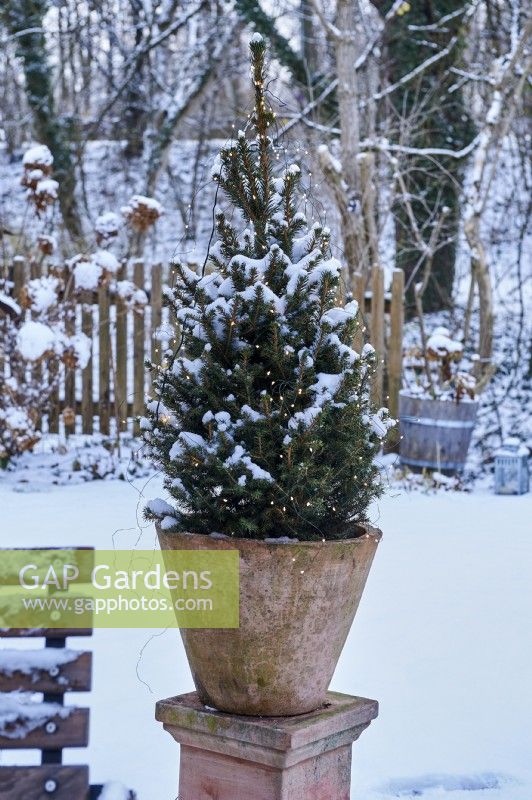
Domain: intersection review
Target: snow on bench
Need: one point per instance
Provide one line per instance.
(20, 714)
(51, 670)
(31, 662)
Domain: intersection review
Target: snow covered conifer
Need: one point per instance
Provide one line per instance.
(261, 421)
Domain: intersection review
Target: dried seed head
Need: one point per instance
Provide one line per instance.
(142, 212)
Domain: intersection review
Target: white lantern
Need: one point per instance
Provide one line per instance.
(511, 468)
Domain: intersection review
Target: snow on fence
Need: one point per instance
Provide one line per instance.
(111, 390)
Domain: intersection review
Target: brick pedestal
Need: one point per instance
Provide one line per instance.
(229, 757)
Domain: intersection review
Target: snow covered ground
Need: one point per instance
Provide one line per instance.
(442, 640)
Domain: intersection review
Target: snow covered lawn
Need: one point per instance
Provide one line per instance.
(442, 640)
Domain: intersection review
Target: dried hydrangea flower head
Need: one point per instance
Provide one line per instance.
(42, 188)
(142, 212)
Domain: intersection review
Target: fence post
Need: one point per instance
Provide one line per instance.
(104, 335)
(53, 403)
(18, 367)
(156, 312)
(87, 411)
(138, 351)
(52, 411)
(395, 345)
(70, 374)
(377, 330)
(121, 354)
(37, 370)
(19, 277)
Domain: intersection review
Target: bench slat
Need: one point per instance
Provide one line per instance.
(73, 731)
(33, 633)
(73, 676)
(71, 782)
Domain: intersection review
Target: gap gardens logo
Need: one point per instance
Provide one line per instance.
(83, 588)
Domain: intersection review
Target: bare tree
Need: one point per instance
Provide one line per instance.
(507, 78)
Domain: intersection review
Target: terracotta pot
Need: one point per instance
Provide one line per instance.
(297, 604)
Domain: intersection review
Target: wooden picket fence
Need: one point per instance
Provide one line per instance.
(114, 384)
(110, 391)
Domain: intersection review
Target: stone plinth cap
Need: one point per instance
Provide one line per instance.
(276, 741)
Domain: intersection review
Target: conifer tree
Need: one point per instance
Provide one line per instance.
(261, 422)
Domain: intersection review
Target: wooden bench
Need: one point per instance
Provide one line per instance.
(53, 670)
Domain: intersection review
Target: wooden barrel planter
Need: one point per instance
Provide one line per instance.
(435, 434)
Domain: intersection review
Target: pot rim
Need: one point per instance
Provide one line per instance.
(369, 531)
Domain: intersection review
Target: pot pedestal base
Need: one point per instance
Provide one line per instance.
(230, 757)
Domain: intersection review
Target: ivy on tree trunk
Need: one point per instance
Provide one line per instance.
(438, 119)
(24, 19)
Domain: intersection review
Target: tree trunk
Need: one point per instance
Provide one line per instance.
(308, 40)
(349, 225)
(508, 79)
(443, 120)
(135, 100)
(351, 205)
(346, 53)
